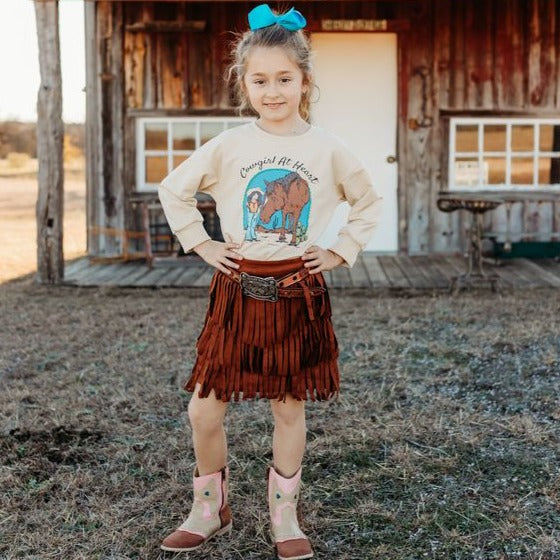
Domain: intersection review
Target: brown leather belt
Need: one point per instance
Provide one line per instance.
(269, 289)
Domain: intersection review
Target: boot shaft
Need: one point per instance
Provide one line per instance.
(210, 502)
(210, 513)
(283, 496)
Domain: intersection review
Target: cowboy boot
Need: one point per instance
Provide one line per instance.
(291, 543)
(210, 514)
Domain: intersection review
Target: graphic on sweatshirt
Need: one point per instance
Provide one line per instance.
(276, 207)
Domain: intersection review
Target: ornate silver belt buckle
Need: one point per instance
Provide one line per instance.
(259, 288)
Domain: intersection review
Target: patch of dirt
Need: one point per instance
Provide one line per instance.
(59, 445)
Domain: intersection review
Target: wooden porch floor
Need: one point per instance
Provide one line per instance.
(370, 271)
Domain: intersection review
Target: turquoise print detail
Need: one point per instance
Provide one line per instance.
(276, 207)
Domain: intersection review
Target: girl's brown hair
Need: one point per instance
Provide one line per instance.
(297, 48)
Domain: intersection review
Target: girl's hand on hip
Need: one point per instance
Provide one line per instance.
(318, 259)
(218, 254)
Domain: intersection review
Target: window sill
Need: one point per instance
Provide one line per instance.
(507, 194)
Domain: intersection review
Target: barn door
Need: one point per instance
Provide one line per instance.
(357, 77)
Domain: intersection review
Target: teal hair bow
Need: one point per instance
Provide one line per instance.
(263, 16)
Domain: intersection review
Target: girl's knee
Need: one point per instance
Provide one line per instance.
(290, 412)
(206, 414)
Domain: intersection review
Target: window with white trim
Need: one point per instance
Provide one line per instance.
(162, 143)
(504, 154)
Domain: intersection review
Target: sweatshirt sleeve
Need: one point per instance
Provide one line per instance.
(199, 172)
(365, 206)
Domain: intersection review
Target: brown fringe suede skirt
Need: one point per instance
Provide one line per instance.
(254, 348)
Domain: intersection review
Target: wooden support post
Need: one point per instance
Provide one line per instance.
(50, 135)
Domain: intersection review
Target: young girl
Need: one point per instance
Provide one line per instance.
(268, 331)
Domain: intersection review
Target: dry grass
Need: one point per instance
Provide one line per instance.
(18, 244)
(443, 444)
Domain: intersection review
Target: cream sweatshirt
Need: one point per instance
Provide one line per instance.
(274, 194)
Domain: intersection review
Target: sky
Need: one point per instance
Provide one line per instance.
(19, 62)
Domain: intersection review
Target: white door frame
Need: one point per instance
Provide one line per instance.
(342, 112)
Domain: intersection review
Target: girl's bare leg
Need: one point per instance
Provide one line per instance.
(208, 434)
(288, 440)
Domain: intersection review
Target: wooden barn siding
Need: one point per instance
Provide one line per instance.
(186, 71)
(498, 57)
(176, 70)
(105, 124)
(132, 73)
(461, 56)
(92, 128)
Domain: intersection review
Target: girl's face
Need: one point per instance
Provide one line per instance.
(274, 84)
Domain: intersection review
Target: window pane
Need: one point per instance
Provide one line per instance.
(210, 129)
(466, 173)
(156, 136)
(178, 159)
(156, 168)
(549, 138)
(522, 171)
(549, 171)
(496, 170)
(232, 124)
(466, 138)
(494, 138)
(184, 136)
(522, 138)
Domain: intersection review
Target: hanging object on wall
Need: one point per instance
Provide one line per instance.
(425, 120)
(354, 24)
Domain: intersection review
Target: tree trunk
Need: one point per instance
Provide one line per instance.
(50, 135)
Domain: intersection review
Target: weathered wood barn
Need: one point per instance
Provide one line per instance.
(434, 95)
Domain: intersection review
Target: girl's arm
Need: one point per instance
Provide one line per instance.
(176, 194)
(365, 207)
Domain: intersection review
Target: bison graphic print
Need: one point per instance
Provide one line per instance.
(276, 207)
